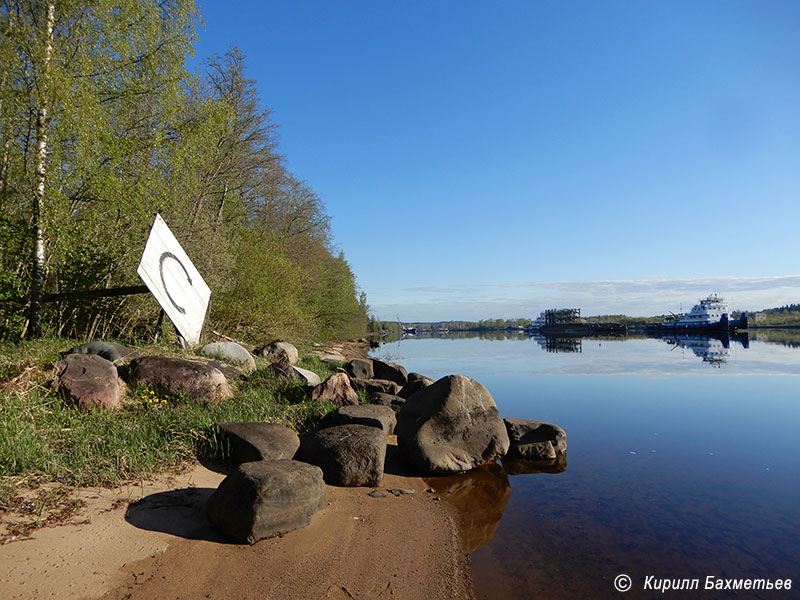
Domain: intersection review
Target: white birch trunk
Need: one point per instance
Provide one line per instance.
(42, 126)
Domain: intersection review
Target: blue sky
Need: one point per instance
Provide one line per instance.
(493, 159)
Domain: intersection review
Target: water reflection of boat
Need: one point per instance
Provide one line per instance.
(568, 322)
(713, 349)
(551, 343)
(711, 314)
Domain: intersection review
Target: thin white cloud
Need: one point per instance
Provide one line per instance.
(637, 297)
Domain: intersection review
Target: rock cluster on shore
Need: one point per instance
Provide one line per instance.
(443, 427)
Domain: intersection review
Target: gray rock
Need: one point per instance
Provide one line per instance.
(230, 352)
(229, 371)
(360, 368)
(291, 372)
(259, 441)
(372, 386)
(278, 352)
(89, 380)
(377, 494)
(180, 376)
(108, 350)
(451, 426)
(330, 357)
(535, 440)
(336, 389)
(402, 491)
(373, 415)
(415, 385)
(390, 400)
(390, 371)
(349, 455)
(266, 498)
(419, 377)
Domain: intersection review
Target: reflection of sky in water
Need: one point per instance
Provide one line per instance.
(675, 468)
(651, 357)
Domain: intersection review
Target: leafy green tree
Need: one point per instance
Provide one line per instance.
(91, 85)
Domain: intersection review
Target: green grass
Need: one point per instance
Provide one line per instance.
(45, 439)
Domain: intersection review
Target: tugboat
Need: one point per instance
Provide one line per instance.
(710, 315)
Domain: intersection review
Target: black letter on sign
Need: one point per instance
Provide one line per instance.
(161, 260)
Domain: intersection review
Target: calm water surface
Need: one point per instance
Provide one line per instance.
(683, 462)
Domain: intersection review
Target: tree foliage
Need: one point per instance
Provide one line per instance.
(102, 127)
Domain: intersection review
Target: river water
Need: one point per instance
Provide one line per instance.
(683, 463)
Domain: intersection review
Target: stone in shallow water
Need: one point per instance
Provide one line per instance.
(535, 440)
(451, 426)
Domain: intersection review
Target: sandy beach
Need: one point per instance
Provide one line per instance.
(151, 540)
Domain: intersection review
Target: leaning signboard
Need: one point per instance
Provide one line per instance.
(172, 278)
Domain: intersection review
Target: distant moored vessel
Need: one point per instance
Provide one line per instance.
(710, 314)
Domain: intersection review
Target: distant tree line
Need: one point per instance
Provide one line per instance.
(782, 315)
(102, 127)
(376, 325)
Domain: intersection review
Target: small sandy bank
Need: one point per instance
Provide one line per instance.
(163, 547)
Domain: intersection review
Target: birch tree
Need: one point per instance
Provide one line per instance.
(92, 77)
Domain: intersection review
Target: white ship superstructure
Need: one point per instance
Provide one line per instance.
(711, 313)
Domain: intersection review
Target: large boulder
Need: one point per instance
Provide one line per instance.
(349, 455)
(259, 441)
(373, 415)
(108, 350)
(283, 352)
(167, 375)
(231, 353)
(451, 426)
(390, 400)
(288, 371)
(360, 368)
(414, 385)
(390, 371)
(266, 498)
(336, 389)
(88, 380)
(535, 440)
(372, 386)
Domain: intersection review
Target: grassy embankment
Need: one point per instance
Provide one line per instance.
(44, 439)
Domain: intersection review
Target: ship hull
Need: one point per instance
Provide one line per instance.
(723, 325)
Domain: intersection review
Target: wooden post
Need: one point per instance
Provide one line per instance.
(157, 332)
